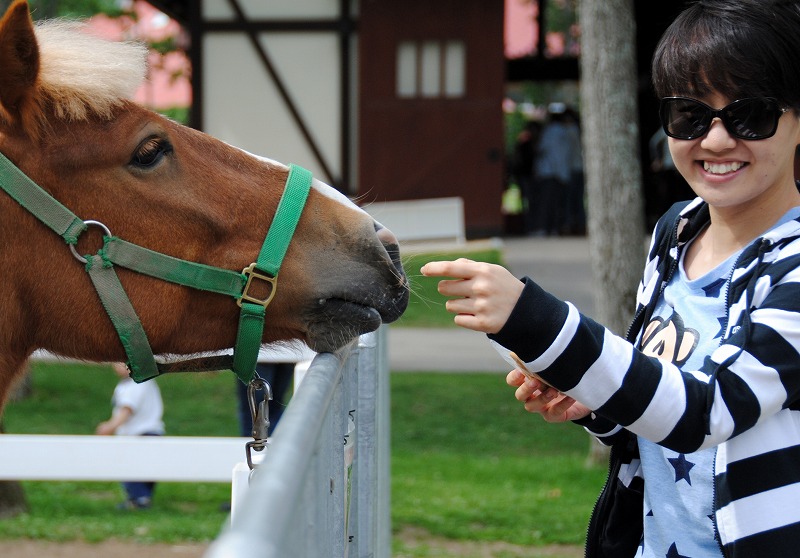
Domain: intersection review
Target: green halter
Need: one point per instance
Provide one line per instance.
(100, 267)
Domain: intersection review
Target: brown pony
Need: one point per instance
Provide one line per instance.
(66, 122)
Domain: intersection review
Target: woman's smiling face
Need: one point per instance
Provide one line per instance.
(727, 171)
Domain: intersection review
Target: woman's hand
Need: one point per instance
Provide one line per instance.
(547, 401)
(484, 294)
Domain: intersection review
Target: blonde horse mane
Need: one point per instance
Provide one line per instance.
(81, 74)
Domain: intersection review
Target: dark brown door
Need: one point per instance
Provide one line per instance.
(430, 112)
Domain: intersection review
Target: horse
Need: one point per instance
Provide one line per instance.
(69, 125)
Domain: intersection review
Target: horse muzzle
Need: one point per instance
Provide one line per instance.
(379, 294)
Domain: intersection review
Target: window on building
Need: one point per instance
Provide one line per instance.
(431, 69)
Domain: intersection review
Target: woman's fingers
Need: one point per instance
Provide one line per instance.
(482, 294)
(557, 410)
(462, 268)
(515, 378)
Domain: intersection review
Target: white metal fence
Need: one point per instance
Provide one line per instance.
(322, 489)
(119, 458)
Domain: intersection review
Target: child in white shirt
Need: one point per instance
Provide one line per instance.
(137, 411)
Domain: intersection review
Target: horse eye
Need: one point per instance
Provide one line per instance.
(150, 152)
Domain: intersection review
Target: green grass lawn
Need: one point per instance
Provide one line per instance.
(72, 399)
(467, 462)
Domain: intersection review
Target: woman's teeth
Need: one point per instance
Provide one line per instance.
(721, 168)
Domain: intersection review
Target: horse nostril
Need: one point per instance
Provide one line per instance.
(386, 236)
(390, 244)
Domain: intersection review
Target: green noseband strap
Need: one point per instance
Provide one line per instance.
(116, 251)
(265, 269)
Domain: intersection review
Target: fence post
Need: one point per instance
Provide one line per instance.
(303, 500)
(373, 471)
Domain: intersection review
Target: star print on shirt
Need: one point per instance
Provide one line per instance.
(713, 288)
(673, 552)
(682, 468)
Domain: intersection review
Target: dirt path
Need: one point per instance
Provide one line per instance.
(412, 539)
(105, 549)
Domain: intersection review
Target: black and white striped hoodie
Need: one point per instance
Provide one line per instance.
(744, 401)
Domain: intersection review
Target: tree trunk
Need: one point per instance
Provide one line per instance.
(615, 220)
(12, 499)
(23, 388)
(12, 496)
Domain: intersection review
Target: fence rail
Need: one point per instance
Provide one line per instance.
(119, 458)
(322, 489)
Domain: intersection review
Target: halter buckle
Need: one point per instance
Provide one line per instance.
(251, 273)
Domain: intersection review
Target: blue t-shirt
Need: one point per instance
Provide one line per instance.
(686, 327)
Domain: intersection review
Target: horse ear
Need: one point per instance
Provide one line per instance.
(19, 59)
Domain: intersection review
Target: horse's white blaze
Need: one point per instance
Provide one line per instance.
(324, 189)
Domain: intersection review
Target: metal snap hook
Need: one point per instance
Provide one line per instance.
(260, 415)
(106, 232)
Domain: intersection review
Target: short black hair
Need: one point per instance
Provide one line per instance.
(738, 48)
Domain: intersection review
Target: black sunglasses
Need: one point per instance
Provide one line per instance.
(747, 119)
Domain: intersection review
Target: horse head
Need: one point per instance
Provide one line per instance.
(66, 122)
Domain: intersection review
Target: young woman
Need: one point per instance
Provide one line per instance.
(701, 403)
